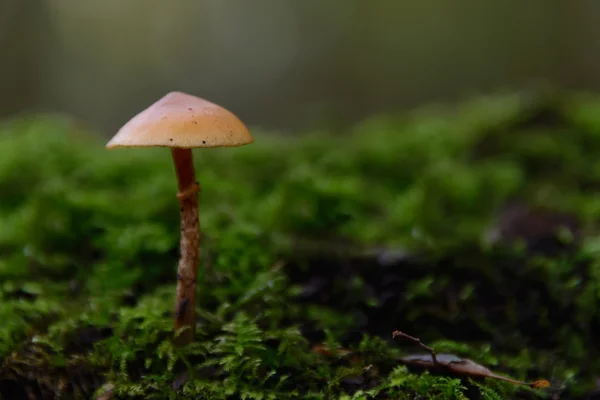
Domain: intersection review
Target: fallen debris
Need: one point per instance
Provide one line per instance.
(449, 363)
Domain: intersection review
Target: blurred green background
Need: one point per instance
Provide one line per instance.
(289, 65)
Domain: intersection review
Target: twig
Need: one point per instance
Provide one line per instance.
(418, 342)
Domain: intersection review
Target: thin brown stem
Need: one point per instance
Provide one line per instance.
(187, 270)
(418, 342)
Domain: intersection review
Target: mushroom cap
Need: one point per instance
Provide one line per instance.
(184, 121)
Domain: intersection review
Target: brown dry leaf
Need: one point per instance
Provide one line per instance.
(542, 383)
(348, 355)
(463, 366)
(326, 351)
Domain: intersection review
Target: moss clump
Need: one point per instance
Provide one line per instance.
(88, 251)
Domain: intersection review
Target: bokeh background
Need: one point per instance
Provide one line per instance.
(284, 64)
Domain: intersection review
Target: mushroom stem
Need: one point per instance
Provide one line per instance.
(189, 245)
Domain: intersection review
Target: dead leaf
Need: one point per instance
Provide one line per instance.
(324, 350)
(449, 363)
(463, 366)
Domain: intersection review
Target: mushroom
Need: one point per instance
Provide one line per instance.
(182, 122)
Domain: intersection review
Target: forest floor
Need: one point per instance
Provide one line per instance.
(471, 227)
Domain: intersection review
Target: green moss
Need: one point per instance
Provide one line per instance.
(88, 249)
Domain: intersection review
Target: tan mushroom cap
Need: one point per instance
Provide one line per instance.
(184, 121)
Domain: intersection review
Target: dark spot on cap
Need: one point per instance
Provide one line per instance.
(195, 122)
(189, 109)
(204, 142)
(171, 139)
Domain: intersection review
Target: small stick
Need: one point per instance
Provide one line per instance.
(418, 342)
